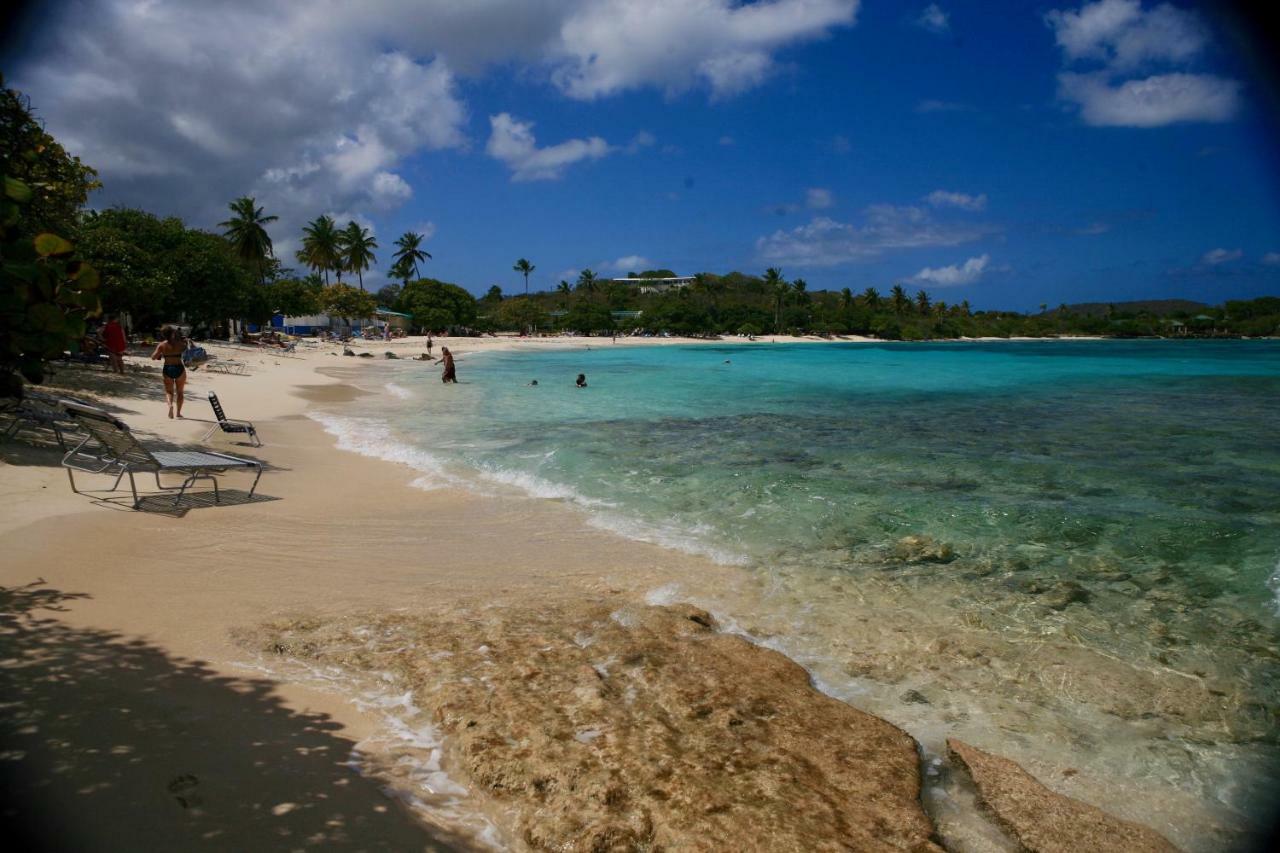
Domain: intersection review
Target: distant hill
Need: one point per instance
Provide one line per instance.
(1158, 307)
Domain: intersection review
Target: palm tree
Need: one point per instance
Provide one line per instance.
(524, 268)
(774, 281)
(964, 308)
(321, 249)
(846, 298)
(587, 281)
(898, 296)
(871, 297)
(408, 254)
(357, 250)
(247, 232)
(801, 287)
(922, 302)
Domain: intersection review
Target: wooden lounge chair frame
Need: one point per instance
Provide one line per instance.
(230, 425)
(119, 452)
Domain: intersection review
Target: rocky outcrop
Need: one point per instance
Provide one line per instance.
(640, 728)
(1044, 821)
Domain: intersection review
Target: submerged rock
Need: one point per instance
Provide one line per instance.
(1043, 821)
(389, 354)
(1062, 593)
(923, 549)
(642, 728)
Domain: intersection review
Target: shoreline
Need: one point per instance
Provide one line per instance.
(329, 539)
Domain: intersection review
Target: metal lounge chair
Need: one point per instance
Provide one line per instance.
(36, 410)
(119, 452)
(226, 365)
(228, 425)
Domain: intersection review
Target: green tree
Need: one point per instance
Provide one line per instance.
(296, 297)
(408, 255)
(246, 229)
(357, 246)
(322, 247)
(46, 293)
(587, 282)
(871, 298)
(523, 267)
(389, 294)
(588, 318)
(922, 303)
(778, 287)
(59, 183)
(345, 301)
(899, 300)
(437, 305)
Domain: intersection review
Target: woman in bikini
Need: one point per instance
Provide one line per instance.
(170, 349)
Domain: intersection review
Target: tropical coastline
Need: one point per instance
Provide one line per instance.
(288, 572)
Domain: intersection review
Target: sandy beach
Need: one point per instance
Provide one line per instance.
(173, 668)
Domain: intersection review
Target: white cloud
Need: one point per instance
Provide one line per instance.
(643, 139)
(826, 242)
(629, 263)
(727, 140)
(1122, 35)
(954, 275)
(1156, 101)
(312, 107)
(389, 189)
(192, 105)
(1271, 259)
(933, 19)
(818, 198)
(1126, 40)
(512, 142)
(610, 46)
(944, 198)
(1213, 257)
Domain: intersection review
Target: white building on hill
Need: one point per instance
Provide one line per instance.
(657, 285)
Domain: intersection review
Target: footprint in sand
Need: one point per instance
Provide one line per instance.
(182, 789)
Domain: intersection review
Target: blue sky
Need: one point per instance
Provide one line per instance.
(1011, 156)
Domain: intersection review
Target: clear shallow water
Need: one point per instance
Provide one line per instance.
(1068, 552)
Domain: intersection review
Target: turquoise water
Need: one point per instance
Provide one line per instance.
(966, 521)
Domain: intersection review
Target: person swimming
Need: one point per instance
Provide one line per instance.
(582, 380)
(533, 383)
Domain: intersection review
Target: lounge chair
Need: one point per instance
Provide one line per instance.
(119, 452)
(226, 365)
(228, 425)
(36, 410)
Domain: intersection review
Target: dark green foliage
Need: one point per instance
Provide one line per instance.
(588, 318)
(437, 305)
(343, 300)
(158, 269)
(46, 294)
(59, 184)
(297, 297)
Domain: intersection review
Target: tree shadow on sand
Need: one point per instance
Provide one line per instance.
(110, 743)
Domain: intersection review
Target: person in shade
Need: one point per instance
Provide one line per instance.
(448, 374)
(170, 350)
(582, 380)
(114, 339)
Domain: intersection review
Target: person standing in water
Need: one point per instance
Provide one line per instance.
(448, 374)
(170, 350)
(582, 380)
